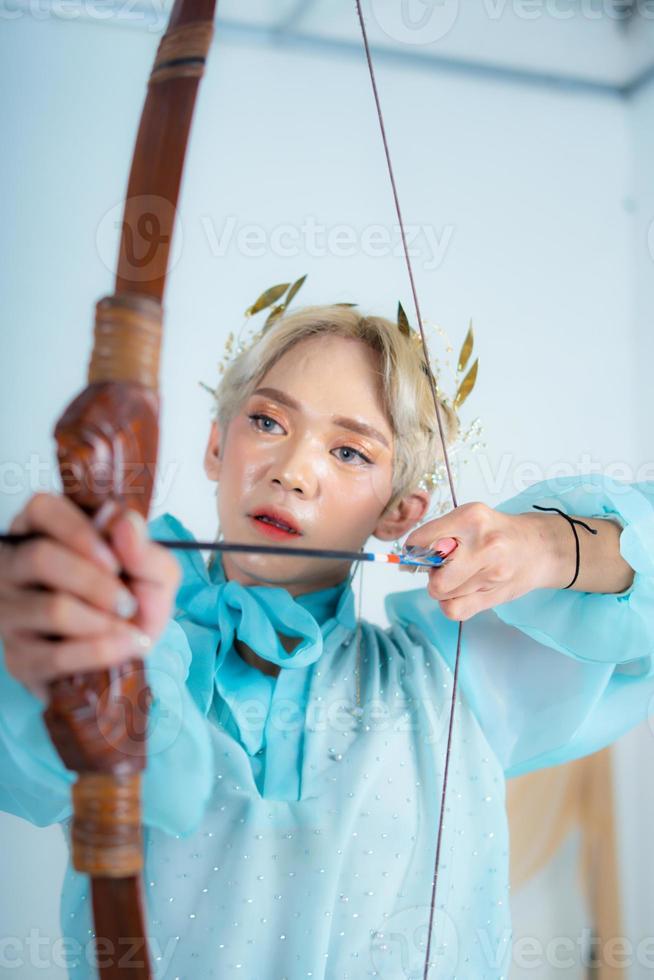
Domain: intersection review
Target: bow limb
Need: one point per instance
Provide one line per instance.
(107, 443)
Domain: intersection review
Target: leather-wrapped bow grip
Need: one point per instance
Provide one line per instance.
(107, 450)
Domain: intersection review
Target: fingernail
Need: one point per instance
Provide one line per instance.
(126, 604)
(445, 546)
(137, 523)
(140, 641)
(104, 554)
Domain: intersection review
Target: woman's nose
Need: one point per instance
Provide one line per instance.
(295, 471)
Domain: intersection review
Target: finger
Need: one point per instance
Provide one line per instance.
(478, 582)
(468, 522)
(29, 610)
(452, 577)
(154, 574)
(155, 602)
(476, 596)
(61, 519)
(445, 546)
(139, 557)
(447, 526)
(32, 659)
(475, 568)
(47, 563)
(463, 607)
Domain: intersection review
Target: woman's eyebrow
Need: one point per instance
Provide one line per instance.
(362, 428)
(345, 423)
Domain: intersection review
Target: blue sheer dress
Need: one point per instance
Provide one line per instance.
(289, 834)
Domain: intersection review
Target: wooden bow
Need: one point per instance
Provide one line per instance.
(107, 451)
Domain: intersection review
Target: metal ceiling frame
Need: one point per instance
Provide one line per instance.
(287, 35)
(293, 39)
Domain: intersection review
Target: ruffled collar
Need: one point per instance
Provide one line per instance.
(254, 614)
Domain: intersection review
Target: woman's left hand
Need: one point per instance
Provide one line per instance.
(498, 557)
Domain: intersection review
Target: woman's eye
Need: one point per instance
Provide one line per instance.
(352, 454)
(263, 423)
(346, 454)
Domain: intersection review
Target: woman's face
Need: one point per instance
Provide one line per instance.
(311, 448)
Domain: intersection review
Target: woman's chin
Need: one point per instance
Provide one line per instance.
(293, 574)
(273, 570)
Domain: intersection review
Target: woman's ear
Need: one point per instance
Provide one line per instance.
(403, 515)
(212, 454)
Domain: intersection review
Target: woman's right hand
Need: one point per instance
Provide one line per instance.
(63, 606)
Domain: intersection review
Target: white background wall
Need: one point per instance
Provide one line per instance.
(541, 199)
(634, 753)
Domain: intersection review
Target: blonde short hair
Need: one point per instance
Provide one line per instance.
(405, 390)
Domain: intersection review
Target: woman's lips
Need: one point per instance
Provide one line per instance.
(271, 530)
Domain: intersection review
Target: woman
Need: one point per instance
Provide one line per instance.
(295, 764)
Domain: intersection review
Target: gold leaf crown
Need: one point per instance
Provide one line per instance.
(279, 298)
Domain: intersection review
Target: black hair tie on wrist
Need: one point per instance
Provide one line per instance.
(571, 521)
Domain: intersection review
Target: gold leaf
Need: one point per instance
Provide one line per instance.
(206, 388)
(295, 289)
(274, 314)
(466, 386)
(267, 298)
(466, 350)
(403, 321)
(344, 304)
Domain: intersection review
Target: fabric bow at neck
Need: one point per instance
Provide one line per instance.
(256, 615)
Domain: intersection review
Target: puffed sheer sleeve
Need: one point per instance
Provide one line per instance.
(35, 784)
(556, 675)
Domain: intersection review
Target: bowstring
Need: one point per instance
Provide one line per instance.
(448, 468)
